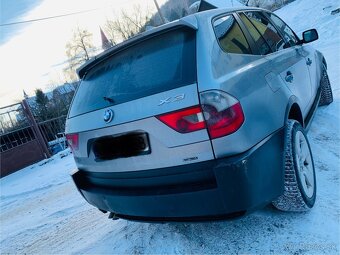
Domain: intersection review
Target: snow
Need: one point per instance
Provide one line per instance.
(43, 213)
(225, 3)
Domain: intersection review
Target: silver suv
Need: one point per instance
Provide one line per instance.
(201, 118)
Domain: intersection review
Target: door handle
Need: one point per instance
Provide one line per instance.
(289, 77)
(309, 61)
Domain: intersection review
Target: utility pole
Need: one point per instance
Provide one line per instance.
(159, 11)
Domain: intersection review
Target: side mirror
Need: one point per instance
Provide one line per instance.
(310, 36)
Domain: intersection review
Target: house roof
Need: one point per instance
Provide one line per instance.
(224, 3)
(62, 89)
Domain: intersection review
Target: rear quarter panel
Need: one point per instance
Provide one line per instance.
(249, 78)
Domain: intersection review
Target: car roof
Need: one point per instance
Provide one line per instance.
(187, 21)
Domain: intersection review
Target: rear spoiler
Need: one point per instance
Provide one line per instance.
(189, 21)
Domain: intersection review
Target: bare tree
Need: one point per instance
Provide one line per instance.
(176, 10)
(80, 44)
(70, 73)
(78, 50)
(56, 77)
(127, 23)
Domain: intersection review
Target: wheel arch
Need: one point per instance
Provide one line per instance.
(293, 111)
(322, 60)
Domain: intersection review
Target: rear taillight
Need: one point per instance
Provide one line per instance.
(222, 112)
(73, 141)
(184, 121)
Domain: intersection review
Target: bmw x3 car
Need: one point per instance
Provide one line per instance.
(201, 118)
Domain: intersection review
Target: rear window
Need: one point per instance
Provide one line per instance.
(157, 64)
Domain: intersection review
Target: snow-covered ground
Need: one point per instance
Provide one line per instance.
(42, 212)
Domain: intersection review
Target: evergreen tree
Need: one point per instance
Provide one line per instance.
(42, 104)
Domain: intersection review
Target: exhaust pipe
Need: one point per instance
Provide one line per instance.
(113, 216)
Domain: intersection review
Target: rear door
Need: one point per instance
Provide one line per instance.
(139, 108)
(288, 59)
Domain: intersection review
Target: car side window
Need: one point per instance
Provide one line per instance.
(287, 32)
(258, 38)
(230, 35)
(267, 30)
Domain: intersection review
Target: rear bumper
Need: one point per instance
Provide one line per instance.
(215, 189)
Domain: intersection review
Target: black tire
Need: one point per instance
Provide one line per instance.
(299, 189)
(326, 89)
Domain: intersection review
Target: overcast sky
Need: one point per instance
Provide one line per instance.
(31, 53)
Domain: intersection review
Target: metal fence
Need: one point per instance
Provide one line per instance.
(15, 129)
(20, 145)
(53, 133)
(16, 138)
(27, 135)
(12, 117)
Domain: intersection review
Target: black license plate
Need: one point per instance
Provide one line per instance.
(111, 147)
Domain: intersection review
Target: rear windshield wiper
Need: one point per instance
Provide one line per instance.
(110, 100)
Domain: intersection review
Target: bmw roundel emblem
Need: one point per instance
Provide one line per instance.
(108, 115)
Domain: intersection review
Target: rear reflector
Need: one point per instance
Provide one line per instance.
(222, 112)
(73, 141)
(185, 120)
